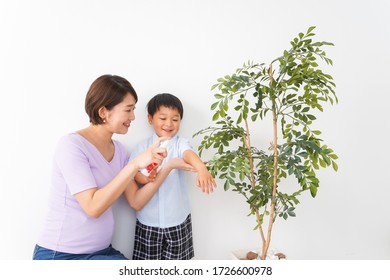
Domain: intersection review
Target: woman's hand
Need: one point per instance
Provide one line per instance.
(152, 155)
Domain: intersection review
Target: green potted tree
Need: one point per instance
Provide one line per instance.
(288, 93)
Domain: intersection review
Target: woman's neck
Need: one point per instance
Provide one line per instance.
(101, 138)
(97, 135)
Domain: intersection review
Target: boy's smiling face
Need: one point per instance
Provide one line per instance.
(166, 121)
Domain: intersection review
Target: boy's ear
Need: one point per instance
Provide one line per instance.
(150, 118)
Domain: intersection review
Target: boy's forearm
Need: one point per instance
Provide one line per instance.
(193, 159)
(204, 179)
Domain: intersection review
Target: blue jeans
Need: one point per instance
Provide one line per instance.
(41, 253)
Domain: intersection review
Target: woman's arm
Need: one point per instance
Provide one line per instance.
(204, 179)
(96, 201)
(138, 197)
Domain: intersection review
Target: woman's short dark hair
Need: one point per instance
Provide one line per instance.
(106, 91)
(166, 100)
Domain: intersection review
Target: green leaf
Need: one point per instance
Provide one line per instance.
(333, 156)
(239, 120)
(322, 163)
(214, 86)
(326, 159)
(214, 105)
(291, 214)
(226, 185)
(311, 28)
(216, 116)
(313, 190)
(316, 132)
(335, 166)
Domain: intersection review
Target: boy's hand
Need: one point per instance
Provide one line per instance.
(205, 181)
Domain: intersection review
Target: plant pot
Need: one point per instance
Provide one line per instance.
(255, 254)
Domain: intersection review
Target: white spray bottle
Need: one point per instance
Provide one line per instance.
(146, 171)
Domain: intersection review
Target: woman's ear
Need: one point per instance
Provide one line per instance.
(103, 113)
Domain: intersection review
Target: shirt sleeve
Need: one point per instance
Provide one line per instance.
(184, 145)
(73, 164)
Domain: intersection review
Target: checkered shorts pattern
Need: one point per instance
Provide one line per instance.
(153, 243)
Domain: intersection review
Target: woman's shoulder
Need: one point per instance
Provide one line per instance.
(73, 141)
(70, 144)
(71, 137)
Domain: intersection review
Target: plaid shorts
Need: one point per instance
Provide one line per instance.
(173, 243)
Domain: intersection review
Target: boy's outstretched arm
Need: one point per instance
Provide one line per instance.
(204, 179)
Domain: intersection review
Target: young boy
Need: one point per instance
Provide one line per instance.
(163, 228)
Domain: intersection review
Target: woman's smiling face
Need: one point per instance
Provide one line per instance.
(120, 117)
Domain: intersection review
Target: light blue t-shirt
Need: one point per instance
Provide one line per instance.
(170, 205)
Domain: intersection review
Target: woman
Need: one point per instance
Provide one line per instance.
(91, 171)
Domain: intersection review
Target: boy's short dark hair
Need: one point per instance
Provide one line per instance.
(107, 91)
(166, 100)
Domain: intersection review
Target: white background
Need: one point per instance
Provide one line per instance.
(51, 51)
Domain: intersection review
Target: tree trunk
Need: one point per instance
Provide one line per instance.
(275, 175)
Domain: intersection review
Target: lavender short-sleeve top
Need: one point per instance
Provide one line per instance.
(78, 166)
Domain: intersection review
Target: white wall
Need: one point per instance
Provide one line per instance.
(51, 51)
